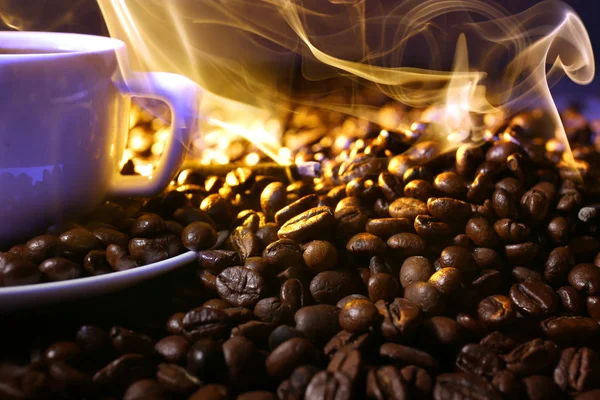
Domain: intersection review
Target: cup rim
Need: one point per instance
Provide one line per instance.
(59, 44)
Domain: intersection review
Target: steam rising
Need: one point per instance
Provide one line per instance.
(464, 57)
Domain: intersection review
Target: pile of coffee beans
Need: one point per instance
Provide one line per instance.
(407, 271)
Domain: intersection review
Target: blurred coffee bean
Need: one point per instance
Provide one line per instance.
(289, 355)
(533, 357)
(78, 241)
(172, 348)
(328, 287)
(16, 270)
(60, 269)
(448, 209)
(386, 383)
(41, 247)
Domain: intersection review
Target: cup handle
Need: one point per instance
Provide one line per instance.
(183, 97)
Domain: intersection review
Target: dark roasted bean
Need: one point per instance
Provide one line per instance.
(318, 323)
(198, 236)
(408, 243)
(578, 369)
(522, 274)
(415, 269)
(534, 205)
(539, 387)
(95, 263)
(358, 315)
(128, 341)
(327, 385)
(205, 360)
(425, 296)
(283, 253)
(205, 323)
(457, 257)
(479, 360)
(461, 386)
(479, 230)
(558, 265)
(176, 379)
(60, 269)
(147, 225)
(271, 309)
(387, 227)
(448, 209)
(418, 189)
(42, 247)
(211, 392)
(240, 286)
(311, 224)
(172, 348)
(571, 329)
(122, 371)
(533, 298)
(521, 253)
(382, 286)
(450, 184)
(294, 294)
(16, 270)
(273, 199)
(386, 383)
(428, 228)
(535, 356)
(216, 261)
(329, 287)
(400, 318)
(365, 244)
(510, 231)
(585, 278)
(504, 204)
(404, 355)
(446, 280)
(408, 208)
(145, 389)
(289, 355)
(496, 311)
(79, 241)
(572, 301)
(299, 206)
(558, 230)
(498, 342)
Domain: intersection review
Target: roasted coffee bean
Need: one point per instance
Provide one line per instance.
(299, 206)
(122, 371)
(329, 287)
(399, 164)
(344, 340)
(205, 360)
(457, 257)
(172, 226)
(217, 209)
(592, 305)
(205, 323)
(400, 318)
(41, 247)
(408, 244)
(534, 205)
(418, 381)
(347, 361)
(571, 329)
(539, 387)
(256, 331)
(408, 208)
(148, 251)
(448, 209)
(241, 362)
(358, 315)
(208, 280)
(382, 286)
(578, 369)
(273, 310)
(176, 379)
(522, 274)
(257, 395)
(510, 231)
(273, 199)
(467, 157)
(60, 269)
(385, 228)
(521, 253)
(558, 230)
(446, 280)
(211, 392)
(585, 278)
(128, 341)
(320, 256)
(469, 324)
(267, 234)
(318, 323)
(172, 348)
(450, 184)
(145, 389)
(507, 383)
(92, 339)
(390, 186)
(479, 230)
(571, 300)
(351, 220)
(240, 286)
(118, 258)
(95, 263)
(415, 269)
(281, 334)
(295, 387)
(500, 151)
(584, 248)
(289, 355)
(463, 386)
(533, 357)
(418, 189)
(365, 244)
(189, 215)
(79, 241)
(428, 228)
(147, 225)
(486, 258)
(386, 383)
(67, 352)
(504, 204)
(496, 311)
(16, 270)
(327, 385)
(311, 224)
(380, 265)
(260, 266)
(498, 342)
(283, 253)
(219, 304)
(216, 261)
(404, 355)
(198, 236)
(415, 173)
(558, 265)
(294, 294)
(533, 298)
(425, 296)
(479, 360)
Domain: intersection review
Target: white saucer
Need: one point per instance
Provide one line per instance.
(27, 296)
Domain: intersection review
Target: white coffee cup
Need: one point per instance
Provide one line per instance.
(64, 118)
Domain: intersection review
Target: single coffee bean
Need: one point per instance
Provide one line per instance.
(428, 228)
(148, 251)
(211, 392)
(572, 301)
(486, 258)
(577, 369)
(448, 209)
(145, 389)
(218, 210)
(148, 225)
(399, 354)
(327, 385)
(510, 231)
(496, 311)
(488, 282)
(299, 206)
(558, 265)
(350, 221)
(294, 294)
(400, 318)
(521, 253)
(289, 355)
(425, 296)
(559, 230)
(283, 253)
(328, 287)
(198, 236)
(534, 205)
(585, 278)
(176, 379)
(240, 286)
(451, 184)
(457, 257)
(124, 370)
(409, 244)
(311, 224)
(522, 274)
(571, 330)
(272, 310)
(172, 348)
(446, 280)
(535, 356)
(504, 204)
(273, 199)
(358, 315)
(498, 342)
(479, 230)
(463, 386)
(365, 244)
(500, 151)
(16, 270)
(241, 362)
(419, 172)
(216, 261)
(189, 215)
(385, 228)
(467, 157)
(407, 207)
(68, 352)
(95, 263)
(318, 323)
(128, 341)
(418, 189)
(205, 323)
(386, 383)
(205, 360)
(41, 247)
(118, 258)
(60, 269)
(347, 361)
(479, 360)
(79, 241)
(382, 286)
(539, 387)
(507, 383)
(415, 269)
(320, 256)
(281, 334)
(533, 298)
